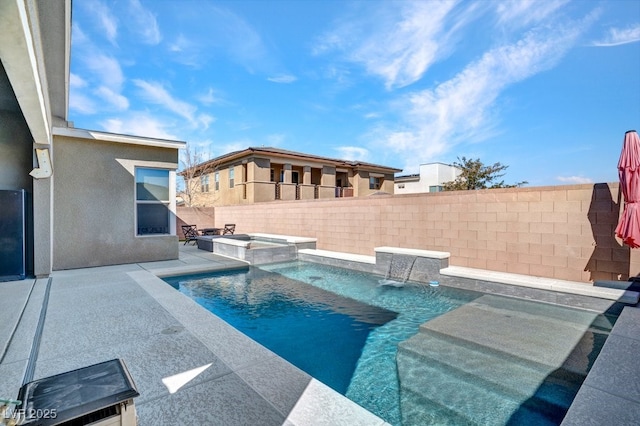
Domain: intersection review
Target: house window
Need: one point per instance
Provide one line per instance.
(204, 183)
(152, 201)
(435, 188)
(231, 176)
(375, 182)
(295, 177)
(216, 179)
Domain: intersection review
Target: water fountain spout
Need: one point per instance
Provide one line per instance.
(399, 270)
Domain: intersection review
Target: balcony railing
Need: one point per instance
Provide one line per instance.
(343, 192)
(339, 192)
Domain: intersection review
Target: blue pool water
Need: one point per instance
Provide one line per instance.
(310, 327)
(345, 329)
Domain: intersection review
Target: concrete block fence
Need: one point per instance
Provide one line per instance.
(562, 232)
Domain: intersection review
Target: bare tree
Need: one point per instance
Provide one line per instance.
(194, 171)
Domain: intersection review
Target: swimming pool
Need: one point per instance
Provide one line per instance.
(412, 354)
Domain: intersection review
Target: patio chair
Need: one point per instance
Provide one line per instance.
(229, 228)
(191, 233)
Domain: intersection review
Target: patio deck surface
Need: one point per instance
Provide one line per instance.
(189, 366)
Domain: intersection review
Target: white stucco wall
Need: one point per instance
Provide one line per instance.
(431, 174)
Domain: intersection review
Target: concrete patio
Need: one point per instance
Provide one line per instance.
(189, 366)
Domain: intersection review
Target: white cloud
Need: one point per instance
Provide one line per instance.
(353, 153)
(395, 43)
(341, 75)
(75, 81)
(618, 36)
(105, 20)
(188, 52)
(80, 103)
(106, 69)
(525, 12)
(115, 99)
(244, 42)
(208, 97)
(205, 120)
(463, 109)
(157, 94)
(143, 22)
(574, 179)
(78, 36)
(139, 124)
(283, 78)
(180, 44)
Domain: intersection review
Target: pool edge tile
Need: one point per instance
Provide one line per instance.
(321, 405)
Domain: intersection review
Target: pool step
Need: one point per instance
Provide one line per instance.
(497, 371)
(492, 361)
(467, 378)
(544, 334)
(443, 399)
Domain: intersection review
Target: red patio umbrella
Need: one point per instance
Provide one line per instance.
(629, 172)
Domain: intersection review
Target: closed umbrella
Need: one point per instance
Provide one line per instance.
(629, 173)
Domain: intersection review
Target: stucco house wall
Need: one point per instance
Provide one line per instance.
(361, 183)
(430, 175)
(94, 203)
(269, 174)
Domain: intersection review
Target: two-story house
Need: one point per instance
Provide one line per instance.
(264, 174)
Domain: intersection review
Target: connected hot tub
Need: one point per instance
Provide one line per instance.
(256, 249)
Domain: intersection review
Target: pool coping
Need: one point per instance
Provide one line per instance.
(551, 284)
(313, 402)
(600, 291)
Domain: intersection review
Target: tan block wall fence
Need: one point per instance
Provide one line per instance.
(202, 217)
(563, 232)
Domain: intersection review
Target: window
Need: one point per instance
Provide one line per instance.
(152, 201)
(204, 183)
(295, 177)
(375, 182)
(435, 188)
(216, 178)
(231, 176)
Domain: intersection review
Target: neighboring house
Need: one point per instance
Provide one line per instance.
(94, 198)
(266, 174)
(431, 178)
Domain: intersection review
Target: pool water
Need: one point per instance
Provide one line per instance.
(310, 327)
(413, 354)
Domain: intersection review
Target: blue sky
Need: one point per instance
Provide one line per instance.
(547, 87)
